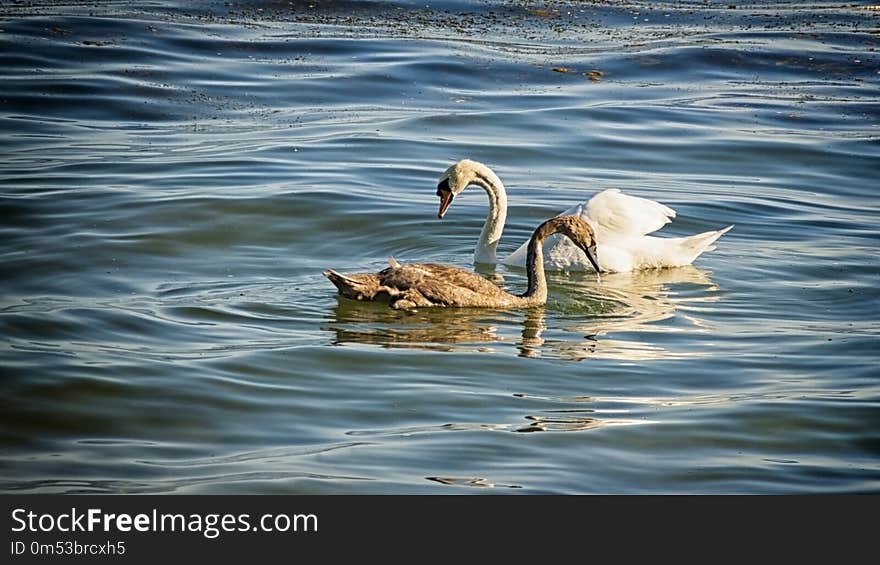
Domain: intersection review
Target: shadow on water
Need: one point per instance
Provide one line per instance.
(587, 318)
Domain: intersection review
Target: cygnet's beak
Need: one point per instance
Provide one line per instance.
(592, 256)
(445, 197)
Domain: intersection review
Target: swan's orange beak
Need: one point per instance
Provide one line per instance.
(445, 201)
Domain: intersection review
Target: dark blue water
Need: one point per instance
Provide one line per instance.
(174, 177)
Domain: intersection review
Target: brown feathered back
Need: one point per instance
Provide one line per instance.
(431, 284)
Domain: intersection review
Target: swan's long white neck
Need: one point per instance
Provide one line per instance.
(494, 225)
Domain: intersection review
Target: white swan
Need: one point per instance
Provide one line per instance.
(621, 224)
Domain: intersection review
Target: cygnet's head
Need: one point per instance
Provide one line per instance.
(577, 230)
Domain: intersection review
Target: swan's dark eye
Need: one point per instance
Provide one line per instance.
(443, 186)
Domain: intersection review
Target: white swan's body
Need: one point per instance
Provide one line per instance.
(621, 224)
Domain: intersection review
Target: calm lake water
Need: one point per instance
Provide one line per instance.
(176, 176)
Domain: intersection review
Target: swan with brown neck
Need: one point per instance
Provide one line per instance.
(620, 222)
(417, 285)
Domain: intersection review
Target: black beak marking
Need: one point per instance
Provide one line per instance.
(443, 186)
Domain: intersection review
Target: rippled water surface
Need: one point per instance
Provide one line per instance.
(176, 176)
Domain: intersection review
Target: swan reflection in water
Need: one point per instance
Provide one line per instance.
(585, 318)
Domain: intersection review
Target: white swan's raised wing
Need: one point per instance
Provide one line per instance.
(615, 214)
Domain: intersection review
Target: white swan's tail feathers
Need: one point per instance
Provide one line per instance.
(695, 245)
